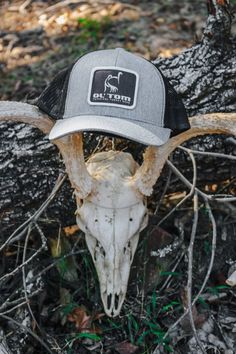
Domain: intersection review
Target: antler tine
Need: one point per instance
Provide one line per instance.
(71, 148)
(25, 113)
(155, 157)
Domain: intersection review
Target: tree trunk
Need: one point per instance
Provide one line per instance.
(203, 75)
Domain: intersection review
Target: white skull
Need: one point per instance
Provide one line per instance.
(114, 187)
(112, 218)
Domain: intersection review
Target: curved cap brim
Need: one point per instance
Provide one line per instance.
(152, 136)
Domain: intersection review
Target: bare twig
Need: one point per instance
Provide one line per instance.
(204, 195)
(24, 277)
(193, 187)
(15, 236)
(208, 153)
(164, 192)
(8, 303)
(13, 308)
(213, 249)
(50, 266)
(61, 4)
(27, 330)
(176, 263)
(4, 348)
(25, 262)
(190, 271)
(23, 6)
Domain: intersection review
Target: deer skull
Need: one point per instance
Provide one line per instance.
(111, 192)
(112, 218)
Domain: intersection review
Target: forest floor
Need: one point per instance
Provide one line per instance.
(38, 38)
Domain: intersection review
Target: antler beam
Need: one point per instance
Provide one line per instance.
(25, 113)
(71, 146)
(155, 157)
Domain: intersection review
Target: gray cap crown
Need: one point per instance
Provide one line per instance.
(116, 92)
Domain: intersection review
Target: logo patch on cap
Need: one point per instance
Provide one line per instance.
(113, 86)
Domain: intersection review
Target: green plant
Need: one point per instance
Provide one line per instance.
(92, 30)
(72, 339)
(215, 290)
(170, 306)
(155, 334)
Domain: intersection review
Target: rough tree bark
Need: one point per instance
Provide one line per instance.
(203, 75)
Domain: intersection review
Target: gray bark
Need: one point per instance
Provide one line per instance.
(29, 167)
(203, 75)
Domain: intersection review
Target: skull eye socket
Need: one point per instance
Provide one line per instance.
(80, 202)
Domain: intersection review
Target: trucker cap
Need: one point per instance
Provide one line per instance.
(114, 92)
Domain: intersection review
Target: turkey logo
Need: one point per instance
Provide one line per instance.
(113, 86)
(110, 81)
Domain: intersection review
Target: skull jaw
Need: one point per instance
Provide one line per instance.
(113, 272)
(112, 303)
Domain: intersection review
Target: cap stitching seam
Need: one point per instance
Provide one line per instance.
(163, 90)
(118, 53)
(105, 115)
(69, 81)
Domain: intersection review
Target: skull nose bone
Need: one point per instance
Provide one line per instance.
(113, 303)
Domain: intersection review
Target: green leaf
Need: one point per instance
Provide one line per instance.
(169, 306)
(69, 308)
(141, 338)
(202, 302)
(154, 301)
(131, 336)
(135, 324)
(170, 273)
(92, 336)
(153, 326)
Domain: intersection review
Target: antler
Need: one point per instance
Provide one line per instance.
(155, 157)
(71, 146)
(25, 113)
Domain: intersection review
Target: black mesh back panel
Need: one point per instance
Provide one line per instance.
(52, 100)
(176, 117)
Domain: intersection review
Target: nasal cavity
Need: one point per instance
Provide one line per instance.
(117, 301)
(109, 297)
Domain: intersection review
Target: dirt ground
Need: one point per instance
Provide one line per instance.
(38, 40)
(62, 312)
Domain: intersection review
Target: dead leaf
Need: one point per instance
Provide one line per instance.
(70, 230)
(83, 321)
(80, 317)
(222, 2)
(130, 15)
(115, 9)
(126, 348)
